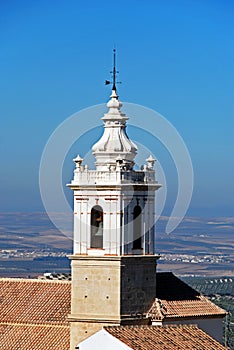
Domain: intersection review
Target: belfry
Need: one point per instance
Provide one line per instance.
(114, 258)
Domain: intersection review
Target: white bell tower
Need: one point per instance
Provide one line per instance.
(114, 258)
(114, 204)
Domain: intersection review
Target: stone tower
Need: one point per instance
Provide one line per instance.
(114, 260)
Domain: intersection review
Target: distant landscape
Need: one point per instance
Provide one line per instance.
(30, 245)
(200, 251)
(199, 246)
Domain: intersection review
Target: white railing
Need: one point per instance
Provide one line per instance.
(94, 177)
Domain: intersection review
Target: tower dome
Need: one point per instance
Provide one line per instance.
(114, 143)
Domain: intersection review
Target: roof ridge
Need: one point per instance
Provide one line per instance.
(184, 300)
(151, 326)
(31, 280)
(35, 324)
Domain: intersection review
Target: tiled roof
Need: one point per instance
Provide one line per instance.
(34, 301)
(182, 337)
(34, 314)
(200, 307)
(39, 337)
(176, 299)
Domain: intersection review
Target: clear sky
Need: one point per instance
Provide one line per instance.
(176, 57)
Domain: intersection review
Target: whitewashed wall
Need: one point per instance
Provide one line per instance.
(117, 235)
(212, 326)
(102, 340)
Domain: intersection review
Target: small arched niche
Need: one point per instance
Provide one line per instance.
(137, 225)
(96, 227)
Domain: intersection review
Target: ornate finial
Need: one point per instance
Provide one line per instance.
(114, 72)
(78, 160)
(150, 162)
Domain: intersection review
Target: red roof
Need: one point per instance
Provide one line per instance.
(34, 314)
(39, 337)
(175, 299)
(182, 337)
(34, 301)
(199, 307)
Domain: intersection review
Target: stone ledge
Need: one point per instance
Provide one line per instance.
(112, 257)
(95, 318)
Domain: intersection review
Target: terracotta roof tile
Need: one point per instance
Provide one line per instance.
(199, 307)
(176, 299)
(34, 314)
(40, 337)
(182, 337)
(34, 301)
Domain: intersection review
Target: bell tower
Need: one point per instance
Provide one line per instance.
(114, 260)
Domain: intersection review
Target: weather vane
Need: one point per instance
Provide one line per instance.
(114, 72)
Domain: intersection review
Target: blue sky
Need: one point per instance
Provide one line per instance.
(176, 57)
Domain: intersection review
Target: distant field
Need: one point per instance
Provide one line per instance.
(32, 231)
(199, 246)
(29, 268)
(221, 292)
(206, 246)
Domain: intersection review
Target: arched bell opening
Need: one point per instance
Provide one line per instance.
(137, 225)
(96, 227)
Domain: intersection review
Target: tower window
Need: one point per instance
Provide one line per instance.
(97, 227)
(137, 217)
